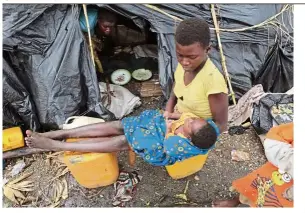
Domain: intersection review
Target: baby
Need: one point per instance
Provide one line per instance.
(157, 140)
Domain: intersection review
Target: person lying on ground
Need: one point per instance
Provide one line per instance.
(158, 141)
(272, 184)
(199, 87)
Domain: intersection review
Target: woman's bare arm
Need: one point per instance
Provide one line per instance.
(219, 108)
(172, 101)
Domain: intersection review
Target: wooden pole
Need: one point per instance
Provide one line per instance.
(98, 63)
(223, 59)
(89, 33)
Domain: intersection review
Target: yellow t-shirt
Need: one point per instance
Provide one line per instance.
(194, 97)
(176, 124)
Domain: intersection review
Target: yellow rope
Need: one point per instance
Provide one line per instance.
(267, 21)
(163, 12)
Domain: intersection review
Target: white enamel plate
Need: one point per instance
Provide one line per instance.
(142, 74)
(120, 77)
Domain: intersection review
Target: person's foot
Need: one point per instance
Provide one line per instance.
(35, 140)
(29, 133)
(50, 134)
(226, 203)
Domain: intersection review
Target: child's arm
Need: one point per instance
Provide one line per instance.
(173, 115)
(176, 115)
(168, 126)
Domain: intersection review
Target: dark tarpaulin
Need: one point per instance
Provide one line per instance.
(51, 73)
(17, 104)
(48, 74)
(245, 51)
(273, 75)
(31, 28)
(262, 120)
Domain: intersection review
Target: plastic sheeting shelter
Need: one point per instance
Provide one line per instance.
(48, 74)
(260, 55)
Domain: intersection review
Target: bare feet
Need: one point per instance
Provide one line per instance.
(51, 134)
(35, 140)
(226, 203)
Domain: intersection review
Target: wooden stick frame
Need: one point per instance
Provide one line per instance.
(223, 58)
(89, 33)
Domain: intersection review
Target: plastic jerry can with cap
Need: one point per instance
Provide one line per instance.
(12, 138)
(92, 170)
(77, 121)
(186, 167)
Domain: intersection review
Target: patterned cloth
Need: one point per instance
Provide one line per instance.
(146, 136)
(282, 113)
(239, 113)
(125, 187)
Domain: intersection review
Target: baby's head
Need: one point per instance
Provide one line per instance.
(201, 133)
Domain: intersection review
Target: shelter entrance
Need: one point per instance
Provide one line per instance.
(128, 56)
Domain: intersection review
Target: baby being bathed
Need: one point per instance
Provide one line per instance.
(158, 141)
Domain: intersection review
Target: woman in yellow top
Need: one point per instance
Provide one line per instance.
(199, 87)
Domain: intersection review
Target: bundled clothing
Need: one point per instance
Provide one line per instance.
(125, 187)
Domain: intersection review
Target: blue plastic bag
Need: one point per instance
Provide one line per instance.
(92, 18)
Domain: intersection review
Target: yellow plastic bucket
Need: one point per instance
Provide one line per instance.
(186, 167)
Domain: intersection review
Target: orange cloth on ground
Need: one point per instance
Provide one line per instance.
(283, 133)
(264, 187)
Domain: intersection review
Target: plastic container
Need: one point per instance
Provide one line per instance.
(77, 121)
(92, 170)
(12, 138)
(187, 167)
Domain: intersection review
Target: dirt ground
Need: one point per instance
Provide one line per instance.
(157, 188)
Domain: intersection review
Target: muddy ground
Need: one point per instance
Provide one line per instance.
(156, 189)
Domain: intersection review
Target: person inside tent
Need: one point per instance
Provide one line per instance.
(198, 86)
(158, 141)
(105, 26)
(272, 184)
(102, 23)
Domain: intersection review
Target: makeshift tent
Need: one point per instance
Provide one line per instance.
(48, 74)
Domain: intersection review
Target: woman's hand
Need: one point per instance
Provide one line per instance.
(167, 115)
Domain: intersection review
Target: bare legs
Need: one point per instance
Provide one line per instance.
(103, 129)
(104, 145)
(101, 137)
